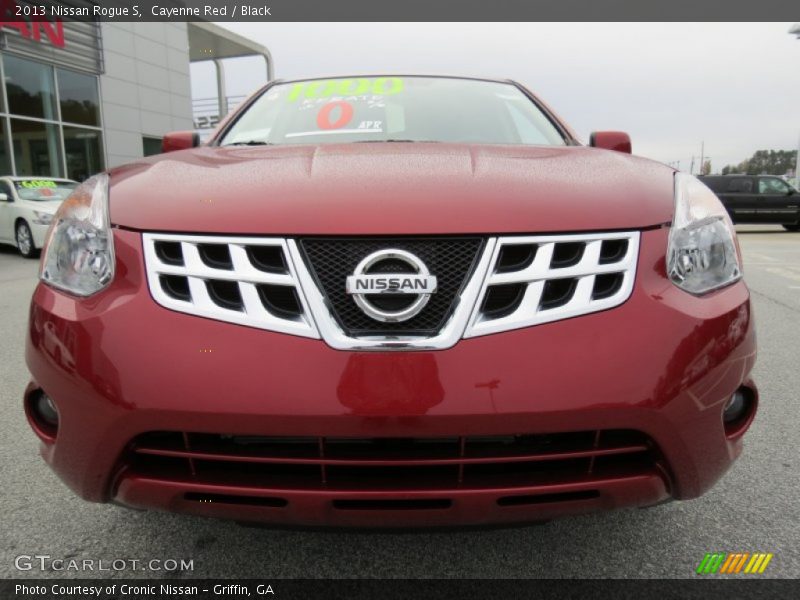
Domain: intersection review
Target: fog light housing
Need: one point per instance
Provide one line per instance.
(739, 411)
(736, 407)
(45, 409)
(42, 415)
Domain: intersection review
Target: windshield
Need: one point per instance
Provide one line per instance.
(401, 109)
(44, 190)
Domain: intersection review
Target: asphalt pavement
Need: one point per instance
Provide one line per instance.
(754, 508)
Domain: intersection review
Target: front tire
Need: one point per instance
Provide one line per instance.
(24, 239)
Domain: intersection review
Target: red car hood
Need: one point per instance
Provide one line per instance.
(390, 188)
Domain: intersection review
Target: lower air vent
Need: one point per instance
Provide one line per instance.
(546, 498)
(268, 501)
(268, 463)
(415, 504)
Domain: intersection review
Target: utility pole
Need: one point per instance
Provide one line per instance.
(797, 167)
(702, 151)
(691, 166)
(795, 30)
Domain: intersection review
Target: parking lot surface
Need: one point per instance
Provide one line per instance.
(754, 508)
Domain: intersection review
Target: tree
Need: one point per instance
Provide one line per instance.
(765, 162)
(705, 169)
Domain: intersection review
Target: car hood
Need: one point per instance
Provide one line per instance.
(390, 188)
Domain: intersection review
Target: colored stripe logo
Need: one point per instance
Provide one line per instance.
(730, 563)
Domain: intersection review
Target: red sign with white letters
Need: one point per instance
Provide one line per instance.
(37, 29)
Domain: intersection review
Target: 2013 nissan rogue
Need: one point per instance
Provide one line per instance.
(391, 301)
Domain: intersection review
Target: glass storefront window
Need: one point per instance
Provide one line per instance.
(30, 88)
(78, 96)
(84, 149)
(5, 161)
(51, 118)
(37, 148)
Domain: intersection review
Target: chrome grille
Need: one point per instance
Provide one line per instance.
(248, 281)
(539, 279)
(298, 286)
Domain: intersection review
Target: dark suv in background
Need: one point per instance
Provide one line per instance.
(757, 199)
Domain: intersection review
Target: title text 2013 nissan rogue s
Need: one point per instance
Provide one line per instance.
(398, 301)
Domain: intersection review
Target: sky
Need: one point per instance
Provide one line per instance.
(672, 86)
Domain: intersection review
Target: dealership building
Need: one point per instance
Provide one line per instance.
(80, 97)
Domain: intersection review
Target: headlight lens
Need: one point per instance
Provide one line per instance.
(42, 218)
(79, 251)
(702, 254)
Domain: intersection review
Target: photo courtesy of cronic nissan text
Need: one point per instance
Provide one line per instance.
(361, 300)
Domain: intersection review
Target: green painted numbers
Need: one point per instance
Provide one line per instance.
(325, 88)
(38, 183)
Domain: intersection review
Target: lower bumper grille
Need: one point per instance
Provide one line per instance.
(391, 464)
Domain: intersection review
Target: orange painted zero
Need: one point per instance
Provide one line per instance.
(324, 116)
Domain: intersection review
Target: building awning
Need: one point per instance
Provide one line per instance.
(208, 41)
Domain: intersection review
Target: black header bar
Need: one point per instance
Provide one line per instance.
(705, 588)
(405, 10)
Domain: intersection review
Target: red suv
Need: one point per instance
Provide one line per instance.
(391, 301)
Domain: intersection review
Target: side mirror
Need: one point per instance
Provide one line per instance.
(179, 140)
(3, 197)
(611, 140)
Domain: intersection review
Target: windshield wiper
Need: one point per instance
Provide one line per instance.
(249, 143)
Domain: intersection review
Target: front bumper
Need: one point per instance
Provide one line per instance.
(663, 364)
(39, 234)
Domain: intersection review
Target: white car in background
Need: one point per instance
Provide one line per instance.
(27, 205)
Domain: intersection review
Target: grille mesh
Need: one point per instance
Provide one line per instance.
(451, 260)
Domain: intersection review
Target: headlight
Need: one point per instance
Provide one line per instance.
(702, 254)
(79, 251)
(42, 218)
